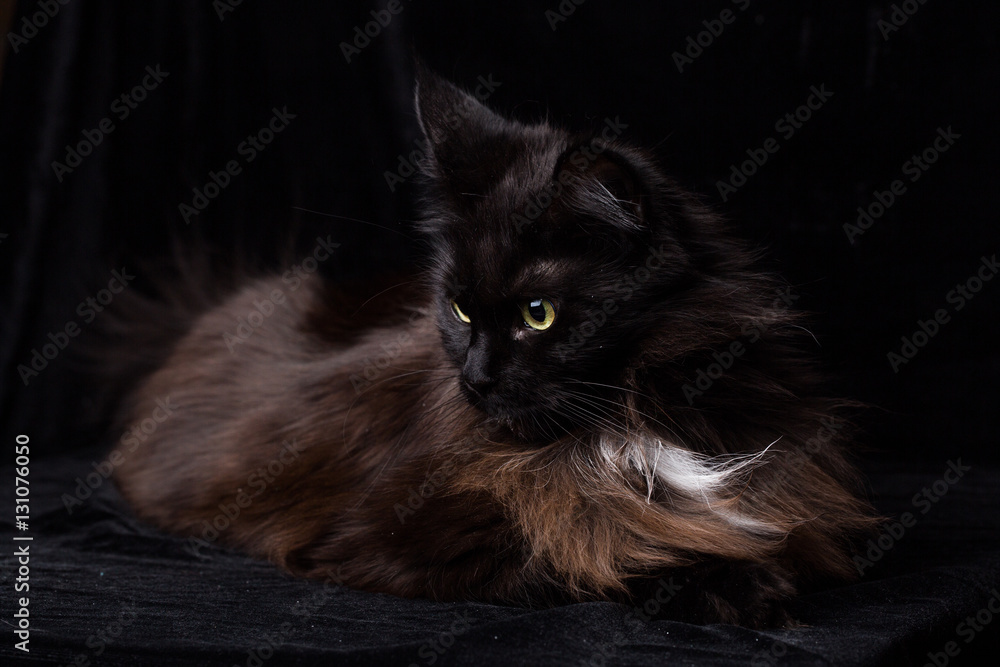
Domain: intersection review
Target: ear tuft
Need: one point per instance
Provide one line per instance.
(603, 185)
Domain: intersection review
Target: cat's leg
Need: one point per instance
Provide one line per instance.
(754, 595)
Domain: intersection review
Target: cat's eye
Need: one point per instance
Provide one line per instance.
(539, 314)
(458, 312)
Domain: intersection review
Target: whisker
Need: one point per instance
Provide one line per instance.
(594, 418)
(363, 222)
(653, 419)
(375, 296)
(610, 386)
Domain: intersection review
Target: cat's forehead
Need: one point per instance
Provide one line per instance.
(534, 275)
(488, 273)
(514, 193)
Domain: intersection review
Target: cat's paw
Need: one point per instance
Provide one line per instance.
(753, 595)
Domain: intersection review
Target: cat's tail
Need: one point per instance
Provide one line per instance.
(136, 333)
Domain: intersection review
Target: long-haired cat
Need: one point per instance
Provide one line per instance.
(591, 387)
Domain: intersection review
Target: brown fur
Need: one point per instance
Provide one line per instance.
(506, 522)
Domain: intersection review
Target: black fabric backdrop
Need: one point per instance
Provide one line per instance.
(61, 236)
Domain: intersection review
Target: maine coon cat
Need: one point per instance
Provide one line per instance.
(590, 388)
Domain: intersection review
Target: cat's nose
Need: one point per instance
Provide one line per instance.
(480, 389)
(475, 372)
(477, 380)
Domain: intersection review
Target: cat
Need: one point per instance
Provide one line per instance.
(589, 388)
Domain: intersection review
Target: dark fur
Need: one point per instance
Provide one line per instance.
(466, 469)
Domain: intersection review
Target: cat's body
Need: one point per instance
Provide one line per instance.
(427, 440)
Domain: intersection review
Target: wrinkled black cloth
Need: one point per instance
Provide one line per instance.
(108, 589)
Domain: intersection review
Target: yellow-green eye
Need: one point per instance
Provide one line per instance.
(539, 314)
(458, 312)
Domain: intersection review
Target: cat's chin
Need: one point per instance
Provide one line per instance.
(521, 431)
(531, 427)
(523, 424)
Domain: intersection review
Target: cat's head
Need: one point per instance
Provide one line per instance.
(555, 259)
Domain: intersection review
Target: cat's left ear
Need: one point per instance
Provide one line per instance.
(452, 120)
(603, 183)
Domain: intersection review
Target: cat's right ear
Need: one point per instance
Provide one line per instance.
(452, 120)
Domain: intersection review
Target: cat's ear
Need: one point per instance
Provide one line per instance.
(602, 183)
(452, 120)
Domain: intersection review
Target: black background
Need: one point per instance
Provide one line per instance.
(353, 121)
